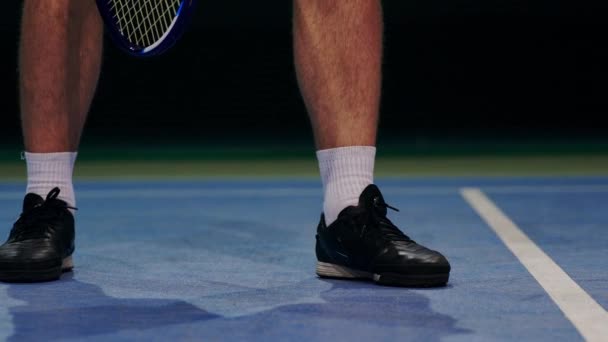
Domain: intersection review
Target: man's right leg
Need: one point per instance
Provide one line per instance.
(59, 63)
(60, 55)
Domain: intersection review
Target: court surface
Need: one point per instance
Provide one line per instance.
(233, 260)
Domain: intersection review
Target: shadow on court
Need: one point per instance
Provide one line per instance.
(70, 309)
(353, 311)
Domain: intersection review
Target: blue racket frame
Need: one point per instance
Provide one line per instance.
(184, 14)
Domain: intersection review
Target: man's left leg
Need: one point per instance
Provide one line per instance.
(338, 56)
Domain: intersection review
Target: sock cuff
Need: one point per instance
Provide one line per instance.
(339, 164)
(345, 172)
(53, 156)
(346, 152)
(48, 170)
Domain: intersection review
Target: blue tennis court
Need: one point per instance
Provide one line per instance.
(233, 260)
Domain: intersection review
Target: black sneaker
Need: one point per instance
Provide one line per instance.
(362, 243)
(41, 243)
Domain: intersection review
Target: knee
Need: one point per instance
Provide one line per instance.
(59, 13)
(48, 7)
(55, 13)
(331, 7)
(59, 9)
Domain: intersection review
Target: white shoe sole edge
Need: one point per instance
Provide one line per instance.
(325, 269)
(67, 264)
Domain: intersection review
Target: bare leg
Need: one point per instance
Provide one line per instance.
(338, 48)
(59, 62)
(338, 51)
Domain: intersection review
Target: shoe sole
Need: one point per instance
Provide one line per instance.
(328, 270)
(32, 276)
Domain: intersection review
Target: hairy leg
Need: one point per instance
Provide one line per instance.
(59, 60)
(338, 52)
(60, 56)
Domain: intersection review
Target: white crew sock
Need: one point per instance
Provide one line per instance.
(48, 170)
(345, 172)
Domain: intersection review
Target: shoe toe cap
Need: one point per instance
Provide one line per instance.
(29, 254)
(413, 260)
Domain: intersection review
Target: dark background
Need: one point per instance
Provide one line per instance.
(465, 70)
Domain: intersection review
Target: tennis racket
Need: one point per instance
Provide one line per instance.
(145, 27)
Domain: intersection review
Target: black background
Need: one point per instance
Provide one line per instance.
(465, 69)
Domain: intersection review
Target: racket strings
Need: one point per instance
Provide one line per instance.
(144, 22)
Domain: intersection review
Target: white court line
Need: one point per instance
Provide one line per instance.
(589, 318)
(270, 192)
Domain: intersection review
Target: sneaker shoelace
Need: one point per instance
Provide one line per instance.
(31, 223)
(388, 231)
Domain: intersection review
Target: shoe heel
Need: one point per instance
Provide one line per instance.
(67, 264)
(328, 270)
